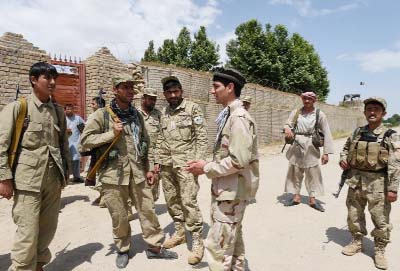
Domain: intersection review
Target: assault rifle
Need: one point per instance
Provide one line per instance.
(288, 141)
(343, 178)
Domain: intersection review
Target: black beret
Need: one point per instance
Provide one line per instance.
(230, 75)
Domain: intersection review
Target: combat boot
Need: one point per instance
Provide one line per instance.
(177, 238)
(379, 257)
(354, 247)
(197, 252)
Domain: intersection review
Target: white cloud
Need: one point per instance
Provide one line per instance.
(222, 41)
(379, 61)
(79, 28)
(305, 7)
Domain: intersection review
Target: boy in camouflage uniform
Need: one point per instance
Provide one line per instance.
(183, 137)
(39, 174)
(234, 172)
(126, 173)
(372, 157)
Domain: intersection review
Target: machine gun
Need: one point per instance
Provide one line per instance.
(343, 178)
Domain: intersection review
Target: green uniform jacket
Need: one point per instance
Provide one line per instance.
(183, 135)
(40, 140)
(235, 168)
(392, 143)
(122, 161)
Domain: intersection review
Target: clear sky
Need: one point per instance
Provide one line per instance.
(357, 40)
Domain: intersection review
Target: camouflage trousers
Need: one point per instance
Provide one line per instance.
(224, 245)
(373, 194)
(36, 217)
(116, 199)
(180, 191)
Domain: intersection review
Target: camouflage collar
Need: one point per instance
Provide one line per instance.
(377, 131)
(181, 106)
(235, 105)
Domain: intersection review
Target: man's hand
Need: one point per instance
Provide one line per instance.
(391, 196)
(196, 167)
(289, 133)
(325, 159)
(6, 189)
(150, 178)
(344, 165)
(118, 127)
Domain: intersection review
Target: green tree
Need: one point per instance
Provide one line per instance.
(183, 44)
(203, 52)
(167, 52)
(150, 54)
(200, 54)
(271, 57)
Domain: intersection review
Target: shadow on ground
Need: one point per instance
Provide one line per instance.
(287, 197)
(71, 199)
(68, 260)
(342, 237)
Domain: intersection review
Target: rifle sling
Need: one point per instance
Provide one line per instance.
(18, 131)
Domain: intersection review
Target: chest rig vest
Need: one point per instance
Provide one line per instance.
(368, 151)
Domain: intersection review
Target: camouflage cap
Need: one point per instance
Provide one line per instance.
(377, 100)
(121, 78)
(169, 78)
(246, 98)
(150, 92)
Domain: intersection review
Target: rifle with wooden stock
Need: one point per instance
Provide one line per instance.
(91, 176)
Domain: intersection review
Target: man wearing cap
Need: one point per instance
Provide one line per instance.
(183, 137)
(152, 117)
(372, 156)
(234, 172)
(246, 100)
(126, 173)
(303, 155)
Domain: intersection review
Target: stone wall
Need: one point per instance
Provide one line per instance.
(17, 55)
(270, 107)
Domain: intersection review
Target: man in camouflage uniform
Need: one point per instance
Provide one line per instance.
(234, 172)
(39, 175)
(152, 117)
(125, 173)
(372, 158)
(246, 100)
(183, 137)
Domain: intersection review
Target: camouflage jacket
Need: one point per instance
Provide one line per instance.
(392, 144)
(121, 164)
(235, 168)
(183, 135)
(152, 125)
(40, 140)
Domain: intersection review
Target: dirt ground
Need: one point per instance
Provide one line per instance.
(277, 238)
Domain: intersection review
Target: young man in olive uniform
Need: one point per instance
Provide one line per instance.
(372, 157)
(40, 172)
(125, 173)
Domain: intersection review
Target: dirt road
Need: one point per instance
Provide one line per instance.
(277, 238)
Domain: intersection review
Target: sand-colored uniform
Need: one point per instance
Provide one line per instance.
(123, 176)
(38, 178)
(152, 125)
(372, 175)
(303, 156)
(183, 137)
(235, 180)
